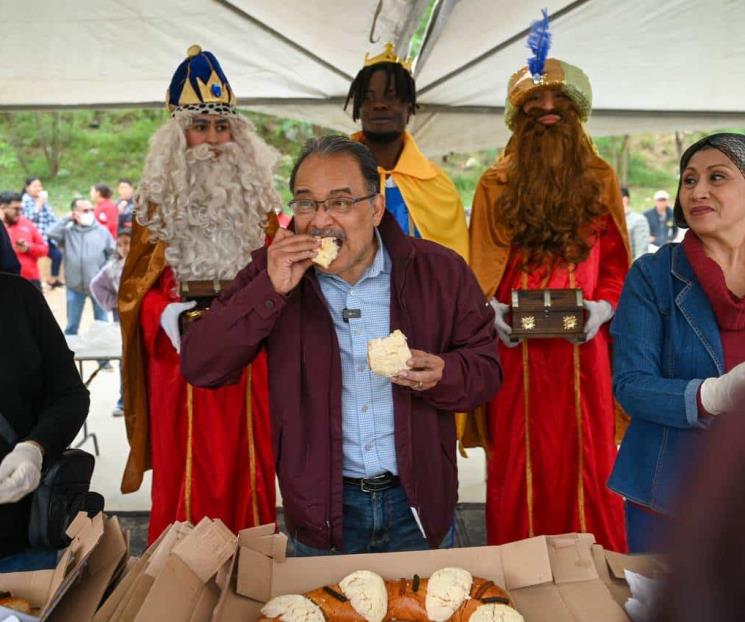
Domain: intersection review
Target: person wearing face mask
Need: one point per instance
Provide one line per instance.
(87, 246)
(679, 335)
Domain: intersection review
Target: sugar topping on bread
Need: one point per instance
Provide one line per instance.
(446, 590)
(387, 356)
(367, 594)
(495, 613)
(293, 608)
(327, 253)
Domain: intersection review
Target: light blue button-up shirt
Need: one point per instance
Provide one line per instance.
(367, 399)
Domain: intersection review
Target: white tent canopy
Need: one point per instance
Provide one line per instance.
(655, 65)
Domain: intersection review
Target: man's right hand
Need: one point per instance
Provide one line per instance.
(288, 257)
(504, 330)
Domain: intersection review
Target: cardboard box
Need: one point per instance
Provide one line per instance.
(612, 566)
(47, 590)
(551, 578)
(176, 578)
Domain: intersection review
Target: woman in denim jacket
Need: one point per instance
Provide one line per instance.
(679, 337)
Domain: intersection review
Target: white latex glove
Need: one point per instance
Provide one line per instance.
(598, 314)
(169, 321)
(504, 330)
(726, 393)
(20, 472)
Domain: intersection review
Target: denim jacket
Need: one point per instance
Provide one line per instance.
(665, 343)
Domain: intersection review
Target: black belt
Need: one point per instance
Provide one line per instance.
(384, 481)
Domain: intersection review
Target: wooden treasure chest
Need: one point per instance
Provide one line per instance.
(203, 292)
(548, 313)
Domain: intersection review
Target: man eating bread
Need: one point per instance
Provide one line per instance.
(366, 461)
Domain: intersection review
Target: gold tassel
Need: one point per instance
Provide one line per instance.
(189, 437)
(578, 418)
(251, 449)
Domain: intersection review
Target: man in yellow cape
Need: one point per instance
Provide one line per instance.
(419, 194)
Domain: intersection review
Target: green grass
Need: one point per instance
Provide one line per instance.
(104, 146)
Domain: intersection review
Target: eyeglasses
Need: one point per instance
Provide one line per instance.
(332, 205)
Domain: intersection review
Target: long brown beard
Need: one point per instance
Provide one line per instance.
(551, 202)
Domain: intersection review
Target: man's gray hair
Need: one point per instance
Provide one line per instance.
(335, 144)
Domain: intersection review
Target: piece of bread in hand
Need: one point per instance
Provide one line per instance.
(388, 355)
(327, 253)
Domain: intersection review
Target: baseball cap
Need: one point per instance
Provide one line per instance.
(661, 194)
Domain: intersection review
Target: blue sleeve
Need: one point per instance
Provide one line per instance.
(8, 259)
(638, 336)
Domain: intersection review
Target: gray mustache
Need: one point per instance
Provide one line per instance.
(326, 233)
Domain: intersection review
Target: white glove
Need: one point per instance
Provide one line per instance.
(726, 393)
(169, 321)
(20, 472)
(599, 313)
(504, 330)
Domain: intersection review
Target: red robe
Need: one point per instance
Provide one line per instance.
(539, 480)
(213, 478)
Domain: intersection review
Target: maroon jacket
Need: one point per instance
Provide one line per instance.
(435, 301)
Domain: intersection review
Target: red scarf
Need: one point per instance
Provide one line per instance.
(729, 310)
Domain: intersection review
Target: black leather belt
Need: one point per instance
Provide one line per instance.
(384, 481)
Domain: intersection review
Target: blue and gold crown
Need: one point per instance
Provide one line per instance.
(197, 81)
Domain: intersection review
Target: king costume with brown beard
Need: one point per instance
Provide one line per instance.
(548, 214)
(203, 205)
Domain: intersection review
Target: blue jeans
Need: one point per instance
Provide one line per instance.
(75, 304)
(55, 254)
(376, 522)
(645, 530)
(30, 559)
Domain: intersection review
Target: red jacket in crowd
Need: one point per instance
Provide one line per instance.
(107, 214)
(24, 229)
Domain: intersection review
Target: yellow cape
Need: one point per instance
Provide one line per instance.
(431, 197)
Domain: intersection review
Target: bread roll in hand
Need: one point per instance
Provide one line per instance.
(387, 356)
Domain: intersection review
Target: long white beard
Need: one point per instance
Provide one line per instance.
(210, 211)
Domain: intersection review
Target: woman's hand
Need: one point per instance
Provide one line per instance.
(20, 472)
(726, 393)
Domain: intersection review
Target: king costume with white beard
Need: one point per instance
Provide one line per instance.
(200, 212)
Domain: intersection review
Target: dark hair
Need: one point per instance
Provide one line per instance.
(9, 196)
(124, 180)
(103, 190)
(29, 181)
(730, 144)
(395, 74)
(74, 202)
(335, 144)
(124, 231)
(625, 192)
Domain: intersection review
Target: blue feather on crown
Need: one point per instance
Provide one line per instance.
(539, 42)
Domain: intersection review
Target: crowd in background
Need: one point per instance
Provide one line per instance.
(86, 247)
